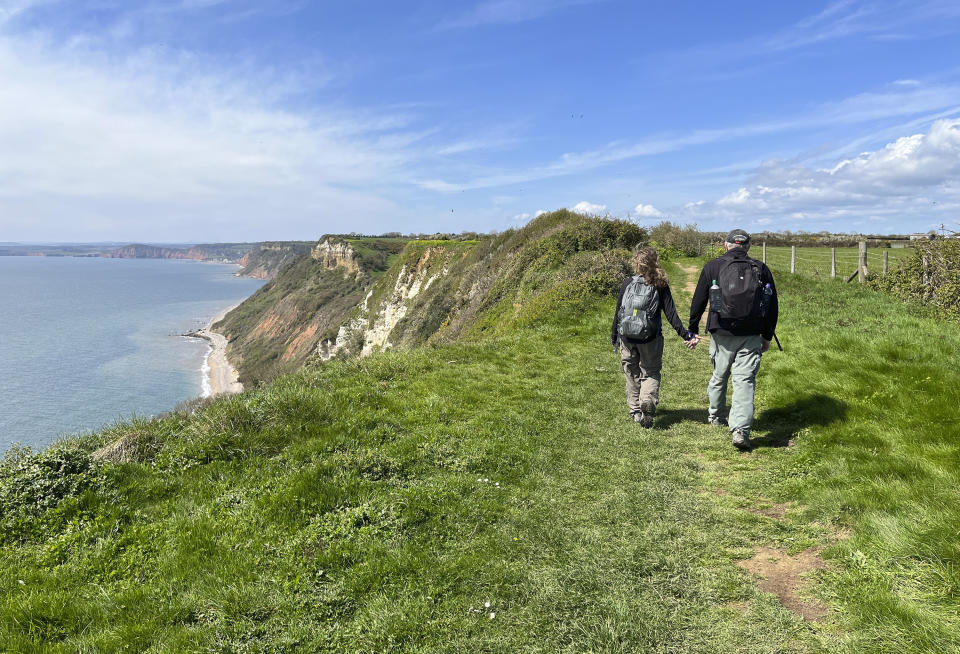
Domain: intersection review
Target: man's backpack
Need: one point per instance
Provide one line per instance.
(639, 311)
(741, 291)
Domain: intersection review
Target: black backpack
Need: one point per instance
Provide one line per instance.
(639, 311)
(741, 290)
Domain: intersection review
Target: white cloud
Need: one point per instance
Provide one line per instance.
(919, 160)
(863, 108)
(647, 211)
(913, 176)
(495, 12)
(842, 20)
(156, 145)
(522, 217)
(589, 208)
(738, 198)
(439, 185)
(540, 212)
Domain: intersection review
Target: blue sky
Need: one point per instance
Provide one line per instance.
(216, 120)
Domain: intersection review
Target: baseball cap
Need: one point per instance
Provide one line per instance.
(739, 237)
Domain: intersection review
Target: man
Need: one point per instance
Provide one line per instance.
(741, 321)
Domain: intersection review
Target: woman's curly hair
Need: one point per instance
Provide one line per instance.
(646, 262)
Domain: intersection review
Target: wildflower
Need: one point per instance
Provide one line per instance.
(492, 615)
(486, 604)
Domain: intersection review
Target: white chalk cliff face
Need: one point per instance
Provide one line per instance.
(408, 286)
(372, 333)
(329, 349)
(336, 254)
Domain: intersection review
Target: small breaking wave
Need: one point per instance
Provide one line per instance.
(205, 384)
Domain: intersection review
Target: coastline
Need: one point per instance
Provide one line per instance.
(219, 376)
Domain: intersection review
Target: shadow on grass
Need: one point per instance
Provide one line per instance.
(784, 422)
(667, 418)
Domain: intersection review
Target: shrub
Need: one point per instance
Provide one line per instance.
(673, 241)
(931, 276)
(34, 484)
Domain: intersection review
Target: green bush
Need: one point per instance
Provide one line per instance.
(930, 276)
(33, 485)
(577, 286)
(674, 242)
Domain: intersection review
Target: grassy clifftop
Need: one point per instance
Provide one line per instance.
(380, 504)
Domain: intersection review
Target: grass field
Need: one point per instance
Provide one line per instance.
(495, 497)
(815, 261)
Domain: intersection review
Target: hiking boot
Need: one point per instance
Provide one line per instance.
(648, 410)
(741, 439)
(717, 421)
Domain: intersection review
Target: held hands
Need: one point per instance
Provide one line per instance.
(692, 343)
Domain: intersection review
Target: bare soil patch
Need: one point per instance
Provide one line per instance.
(781, 574)
(841, 534)
(777, 511)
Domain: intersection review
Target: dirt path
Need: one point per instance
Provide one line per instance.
(691, 273)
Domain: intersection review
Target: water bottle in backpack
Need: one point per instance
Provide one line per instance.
(716, 298)
(765, 302)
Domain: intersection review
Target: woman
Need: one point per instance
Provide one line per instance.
(638, 335)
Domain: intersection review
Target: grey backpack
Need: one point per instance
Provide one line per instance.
(639, 311)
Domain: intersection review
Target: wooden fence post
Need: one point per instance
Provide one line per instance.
(764, 251)
(886, 258)
(833, 263)
(793, 259)
(862, 268)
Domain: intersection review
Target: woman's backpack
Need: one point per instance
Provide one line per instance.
(639, 311)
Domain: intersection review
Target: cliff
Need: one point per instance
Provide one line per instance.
(440, 291)
(219, 252)
(279, 326)
(258, 260)
(267, 259)
(353, 297)
(336, 254)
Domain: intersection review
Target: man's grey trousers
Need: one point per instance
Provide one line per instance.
(641, 367)
(736, 357)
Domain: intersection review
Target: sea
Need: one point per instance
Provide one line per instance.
(85, 342)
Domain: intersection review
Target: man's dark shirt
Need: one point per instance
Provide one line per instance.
(666, 305)
(765, 326)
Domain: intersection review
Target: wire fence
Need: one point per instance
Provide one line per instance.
(845, 263)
